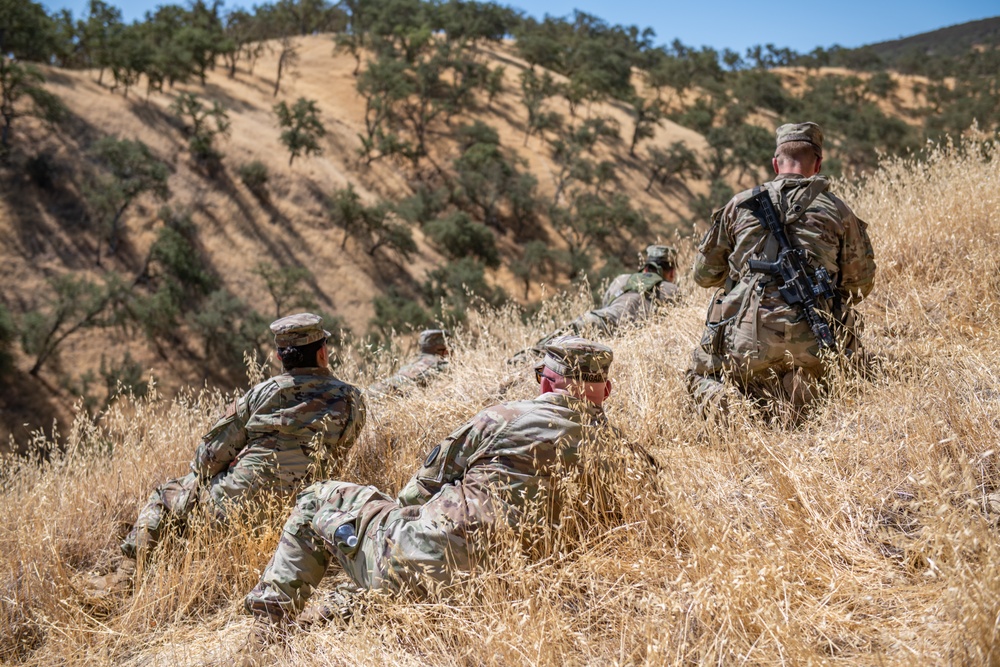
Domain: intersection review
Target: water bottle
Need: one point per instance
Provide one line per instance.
(345, 538)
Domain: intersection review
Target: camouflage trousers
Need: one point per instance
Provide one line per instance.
(769, 364)
(399, 548)
(254, 478)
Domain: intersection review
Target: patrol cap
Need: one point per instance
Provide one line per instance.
(661, 256)
(577, 358)
(809, 132)
(433, 341)
(297, 330)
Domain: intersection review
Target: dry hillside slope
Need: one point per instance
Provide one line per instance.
(49, 232)
(866, 535)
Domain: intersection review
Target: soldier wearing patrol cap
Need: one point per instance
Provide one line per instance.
(503, 466)
(263, 445)
(432, 361)
(631, 297)
(755, 341)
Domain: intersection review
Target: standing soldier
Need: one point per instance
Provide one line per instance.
(502, 468)
(754, 336)
(432, 361)
(263, 446)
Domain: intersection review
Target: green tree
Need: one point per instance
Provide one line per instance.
(202, 124)
(132, 170)
(347, 212)
(255, 176)
(285, 285)
(174, 280)
(486, 177)
(459, 236)
(229, 329)
(26, 31)
(675, 162)
(534, 91)
(302, 128)
(536, 259)
(395, 312)
(98, 35)
(453, 290)
(22, 94)
(373, 226)
(648, 114)
(71, 305)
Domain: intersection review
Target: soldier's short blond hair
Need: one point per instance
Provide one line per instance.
(796, 151)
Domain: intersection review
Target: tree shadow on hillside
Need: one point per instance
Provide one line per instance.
(154, 117)
(216, 93)
(26, 406)
(47, 216)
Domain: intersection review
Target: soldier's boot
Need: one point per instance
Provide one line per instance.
(711, 396)
(336, 604)
(264, 633)
(113, 583)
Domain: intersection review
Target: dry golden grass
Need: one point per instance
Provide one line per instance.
(858, 537)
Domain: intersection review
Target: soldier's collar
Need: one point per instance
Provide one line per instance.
(311, 370)
(569, 401)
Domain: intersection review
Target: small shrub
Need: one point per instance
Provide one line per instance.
(254, 175)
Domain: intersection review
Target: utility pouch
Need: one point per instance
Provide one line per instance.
(355, 509)
(722, 310)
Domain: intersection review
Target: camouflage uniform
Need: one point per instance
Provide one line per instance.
(753, 335)
(264, 444)
(502, 467)
(631, 297)
(432, 361)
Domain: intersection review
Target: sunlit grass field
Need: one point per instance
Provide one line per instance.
(862, 535)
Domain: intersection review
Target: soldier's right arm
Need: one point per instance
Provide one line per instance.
(711, 265)
(344, 427)
(220, 446)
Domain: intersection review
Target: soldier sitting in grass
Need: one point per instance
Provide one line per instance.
(262, 447)
(498, 470)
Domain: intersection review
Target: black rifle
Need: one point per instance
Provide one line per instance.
(797, 287)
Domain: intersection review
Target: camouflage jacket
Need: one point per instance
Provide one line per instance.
(416, 373)
(620, 288)
(828, 231)
(508, 457)
(295, 415)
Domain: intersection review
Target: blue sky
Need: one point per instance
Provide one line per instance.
(733, 24)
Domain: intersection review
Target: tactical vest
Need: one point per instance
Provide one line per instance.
(641, 283)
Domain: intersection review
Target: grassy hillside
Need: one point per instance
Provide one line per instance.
(52, 227)
(859, 537)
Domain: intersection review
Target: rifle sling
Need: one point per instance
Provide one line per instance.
(771, 246)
